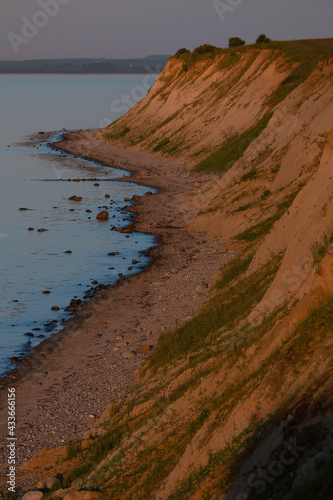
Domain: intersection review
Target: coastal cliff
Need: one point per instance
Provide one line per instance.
(235, 402)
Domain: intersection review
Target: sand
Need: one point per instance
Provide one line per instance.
(71, 378)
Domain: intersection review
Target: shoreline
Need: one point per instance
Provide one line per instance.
(78, 372)
(49, 140)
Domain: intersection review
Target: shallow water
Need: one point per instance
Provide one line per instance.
(31, 178)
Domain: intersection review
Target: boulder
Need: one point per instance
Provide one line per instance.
(128, 355)
(82, 495)
(103, 215)
(50, 482)
(145, 348)
(33, 495)
(75, 198)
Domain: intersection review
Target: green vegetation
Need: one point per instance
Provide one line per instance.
(319, 250)
(116, 134)
(305, 54)
(250, 175)
(205, 49)
(234, 269)
(161, 145)
(236, 42)
(229, 60)
(181, 52)
(222, 160)
(73, 448)
(124, 132)
(262, 228)
(259, 230)
(263, 39)
(231, 304)
(309, 333)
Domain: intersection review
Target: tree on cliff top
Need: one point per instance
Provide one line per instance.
(180, 52)
(263, 39)
(204, 49)
(236, 42)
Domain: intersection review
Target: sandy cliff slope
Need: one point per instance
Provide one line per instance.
(236, 403)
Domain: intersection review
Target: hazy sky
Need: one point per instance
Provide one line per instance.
(135, 28)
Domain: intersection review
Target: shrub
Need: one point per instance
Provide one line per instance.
(236, 42)
(263, 39)
(204, 49)
(182, 51)
(319, 250)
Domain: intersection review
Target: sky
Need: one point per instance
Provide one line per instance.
(37, 29)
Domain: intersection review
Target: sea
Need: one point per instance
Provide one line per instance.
(35, 191)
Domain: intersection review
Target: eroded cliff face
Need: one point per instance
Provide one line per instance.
(283, 176)
(274, 203)
(237, 403)
(191, 113)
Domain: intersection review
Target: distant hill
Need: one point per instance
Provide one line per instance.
(149, 64)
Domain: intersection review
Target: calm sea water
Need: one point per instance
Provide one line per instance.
(32, 262)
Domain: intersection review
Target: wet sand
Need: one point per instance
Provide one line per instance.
(71, 378)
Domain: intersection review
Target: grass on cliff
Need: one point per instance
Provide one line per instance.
(319, 250)
(232, 151)
(229, 305)
(264, 227)
(151, 465)
(306, 54)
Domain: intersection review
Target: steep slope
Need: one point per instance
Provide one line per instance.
(181, 103)
(237, 402)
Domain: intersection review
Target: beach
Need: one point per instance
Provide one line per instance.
(67, 383)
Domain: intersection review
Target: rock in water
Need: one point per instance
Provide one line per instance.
(103, 215)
